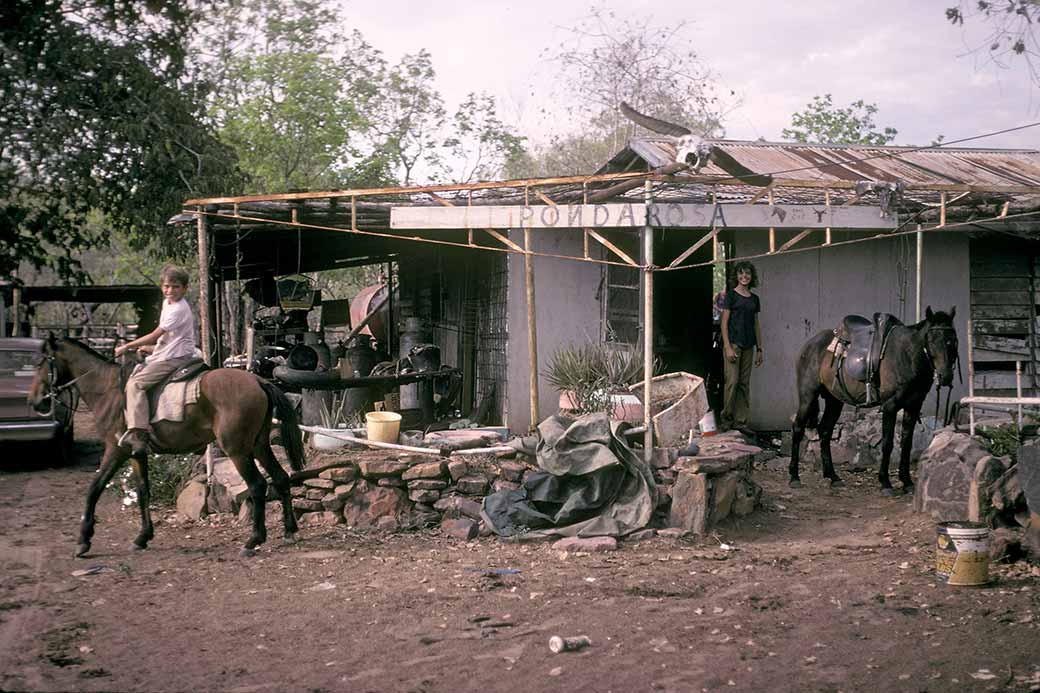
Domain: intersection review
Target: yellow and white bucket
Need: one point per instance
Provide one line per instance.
(962, 553)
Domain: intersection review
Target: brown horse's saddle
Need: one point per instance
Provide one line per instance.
(858, 348)
(168, 399)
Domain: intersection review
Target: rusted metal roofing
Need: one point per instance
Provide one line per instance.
(912, 165)
(918, 167)
(817, 162)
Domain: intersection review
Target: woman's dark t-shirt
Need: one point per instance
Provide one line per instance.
(742, 311)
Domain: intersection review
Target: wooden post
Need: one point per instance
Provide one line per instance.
(532, 332)
(772, 230)
(204, 285)
(920, 262)
(971, 382)
(1018, 393)
(714, 228)
(648, 328)
(827, 201)
(16, 304)
(390, 348)
(218, 322)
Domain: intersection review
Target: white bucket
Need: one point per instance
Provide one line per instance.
(962, 553)
(707, 424)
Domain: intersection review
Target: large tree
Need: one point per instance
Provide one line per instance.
(98, 123)
(824, 123)
(292, 95)
(308, 104)
(607, 58)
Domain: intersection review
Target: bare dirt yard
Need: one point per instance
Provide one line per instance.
(820, 590)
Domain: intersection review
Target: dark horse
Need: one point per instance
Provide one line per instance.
(915, 356)
(234, 408)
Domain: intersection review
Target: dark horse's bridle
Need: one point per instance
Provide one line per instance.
(935, 371)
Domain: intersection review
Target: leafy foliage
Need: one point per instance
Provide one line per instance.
(98, 119)
(482, 146)
(167, 476)
(608, 58)
(291, 108)
(823, 123)
(1012, 26)
(1003, 440)
(309, 106)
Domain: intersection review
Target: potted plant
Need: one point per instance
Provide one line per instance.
(594, 376)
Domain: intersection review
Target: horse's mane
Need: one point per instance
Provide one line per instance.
(939, 317)
(96, 354)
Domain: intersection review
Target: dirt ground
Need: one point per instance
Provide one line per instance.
(821, 590)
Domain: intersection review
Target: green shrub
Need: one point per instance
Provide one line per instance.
(167, 476)
(1003, 440)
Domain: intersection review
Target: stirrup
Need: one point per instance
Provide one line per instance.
(137, 445)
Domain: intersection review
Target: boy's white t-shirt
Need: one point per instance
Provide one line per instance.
(178, 338)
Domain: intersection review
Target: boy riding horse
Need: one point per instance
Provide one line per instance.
(174, 339)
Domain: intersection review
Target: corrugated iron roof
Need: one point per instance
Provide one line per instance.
(983, 167)
(913, 165)
(787, 161)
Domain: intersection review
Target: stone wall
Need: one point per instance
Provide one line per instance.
(373, 490)
(856, 441)
(698, 492)
(377, 490)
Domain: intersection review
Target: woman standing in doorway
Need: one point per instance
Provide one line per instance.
(742, 343)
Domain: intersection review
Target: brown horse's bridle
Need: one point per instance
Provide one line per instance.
(54, 391)
(935, 374)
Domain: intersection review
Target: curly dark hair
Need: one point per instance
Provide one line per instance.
(744, 265)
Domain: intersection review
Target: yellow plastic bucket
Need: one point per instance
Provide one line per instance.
(383, 426)
(962, 553)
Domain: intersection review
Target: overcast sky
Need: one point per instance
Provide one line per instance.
(899, 54)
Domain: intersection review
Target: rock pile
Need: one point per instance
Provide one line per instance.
(960, 479)
(696, 493)
(857, 440)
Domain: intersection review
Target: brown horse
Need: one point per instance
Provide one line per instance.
(915, 356)
(234, 408)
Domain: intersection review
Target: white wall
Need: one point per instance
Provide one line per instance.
(566, 311)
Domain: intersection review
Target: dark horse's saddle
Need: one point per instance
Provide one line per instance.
(858, 348)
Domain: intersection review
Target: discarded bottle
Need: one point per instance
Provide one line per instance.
(559, 644)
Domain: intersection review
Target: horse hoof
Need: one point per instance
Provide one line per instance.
(82, 550)
(837, 483)
(794, 483)
(290, 539)
(247, 553)
(908, 489)
(138, 547)
(888, 492)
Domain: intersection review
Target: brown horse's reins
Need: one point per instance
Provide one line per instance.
(935, 375)
(54, 391)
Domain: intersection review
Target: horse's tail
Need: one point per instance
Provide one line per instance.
(292, 439)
